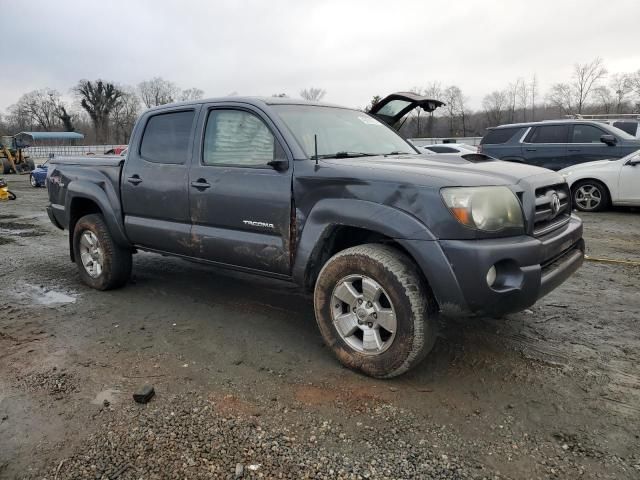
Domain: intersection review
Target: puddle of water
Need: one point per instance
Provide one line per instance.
(33, 294)
(110, 395)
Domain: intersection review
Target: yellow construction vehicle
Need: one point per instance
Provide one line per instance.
(12, 157)
(5, 194)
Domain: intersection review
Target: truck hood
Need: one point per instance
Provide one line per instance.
(441, 170)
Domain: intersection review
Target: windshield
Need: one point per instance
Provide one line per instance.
(341, 132)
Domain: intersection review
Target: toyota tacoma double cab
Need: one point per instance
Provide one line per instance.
(333, 199)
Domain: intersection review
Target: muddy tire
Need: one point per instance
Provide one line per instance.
(102, 264)
(590, 196)
(5, 166)
(32, 180)
(375, 310)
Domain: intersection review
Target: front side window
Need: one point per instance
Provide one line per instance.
(340, 131)
(548, 134)
(166, 137)
(586, 134)
(236, 137)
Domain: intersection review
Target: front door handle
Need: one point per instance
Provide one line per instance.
(574, 149)
(134, 179)
(201, 184)
(531, 149)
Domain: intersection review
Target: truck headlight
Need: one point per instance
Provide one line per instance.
(484, 208)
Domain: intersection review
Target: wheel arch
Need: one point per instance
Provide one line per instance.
(590, 178)
(335, 225)
(85, 199)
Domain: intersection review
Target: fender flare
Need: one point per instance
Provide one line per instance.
(109, 207)
(330, 213)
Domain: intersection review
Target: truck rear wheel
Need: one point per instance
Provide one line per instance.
(375, 310)
(102, 263)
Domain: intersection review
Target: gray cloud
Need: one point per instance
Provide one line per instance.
(353, 49)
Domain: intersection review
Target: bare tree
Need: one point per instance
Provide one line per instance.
(523, 97)
(533, 88)
(124, 114)
(494, 106)
(40, 107)
(561, 96)
(605, 98)
(191, 94)
(621, 84)
(512, 98)
(455, 106)
(98, 98)
(585, 78)
(157, 91)
(313, 94)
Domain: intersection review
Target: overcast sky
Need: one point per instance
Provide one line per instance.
(353, 49)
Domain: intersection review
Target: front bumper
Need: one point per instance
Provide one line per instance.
(527, 269)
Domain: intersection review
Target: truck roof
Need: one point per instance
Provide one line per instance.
(257, 101)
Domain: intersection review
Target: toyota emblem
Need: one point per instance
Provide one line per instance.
(555, 204)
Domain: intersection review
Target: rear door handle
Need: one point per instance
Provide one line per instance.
(574, 149)
(531, 149)
(134, 179)
(201, 184)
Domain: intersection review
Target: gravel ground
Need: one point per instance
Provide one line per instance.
(246, 389)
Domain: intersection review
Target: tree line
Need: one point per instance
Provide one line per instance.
(591, 89)
(105, 111)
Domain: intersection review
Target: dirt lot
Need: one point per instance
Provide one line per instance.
(246, 389)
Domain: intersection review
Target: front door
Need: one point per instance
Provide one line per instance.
(155, 195)
(240, 191)
(585, 145)
(629, 180)
(546, 146)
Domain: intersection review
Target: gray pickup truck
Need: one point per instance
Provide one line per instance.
(330, 198)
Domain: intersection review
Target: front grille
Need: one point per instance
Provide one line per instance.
(546, 219)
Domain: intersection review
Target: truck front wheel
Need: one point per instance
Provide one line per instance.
(102, 263)
(375, 310)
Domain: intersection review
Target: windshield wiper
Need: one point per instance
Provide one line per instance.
(395, 152)
(347, 155)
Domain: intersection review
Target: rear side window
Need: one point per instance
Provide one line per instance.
(548, 134)
(498, 135)
(442, 149)
(166, 137)
(586, 134)
(235, 137)
(630, 127)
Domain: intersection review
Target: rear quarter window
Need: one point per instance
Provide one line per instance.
(499, 135)
(630, 127)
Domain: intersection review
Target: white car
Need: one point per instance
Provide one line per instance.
(448, 148)
(597, 185)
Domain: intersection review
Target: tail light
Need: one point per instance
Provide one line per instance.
(479, 148)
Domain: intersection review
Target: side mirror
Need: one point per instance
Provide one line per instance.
(634, 161)
(40, 165)
(279, 165)
(609, 140)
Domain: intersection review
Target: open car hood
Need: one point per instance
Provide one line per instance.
(394, 107)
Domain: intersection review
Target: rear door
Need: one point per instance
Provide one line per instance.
(240, 198)
(394, 107)
(154, 182)
(586, 146)
(546, 146)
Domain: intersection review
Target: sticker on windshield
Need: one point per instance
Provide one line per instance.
(368, 120)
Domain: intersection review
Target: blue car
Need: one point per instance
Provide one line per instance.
(38, 175)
